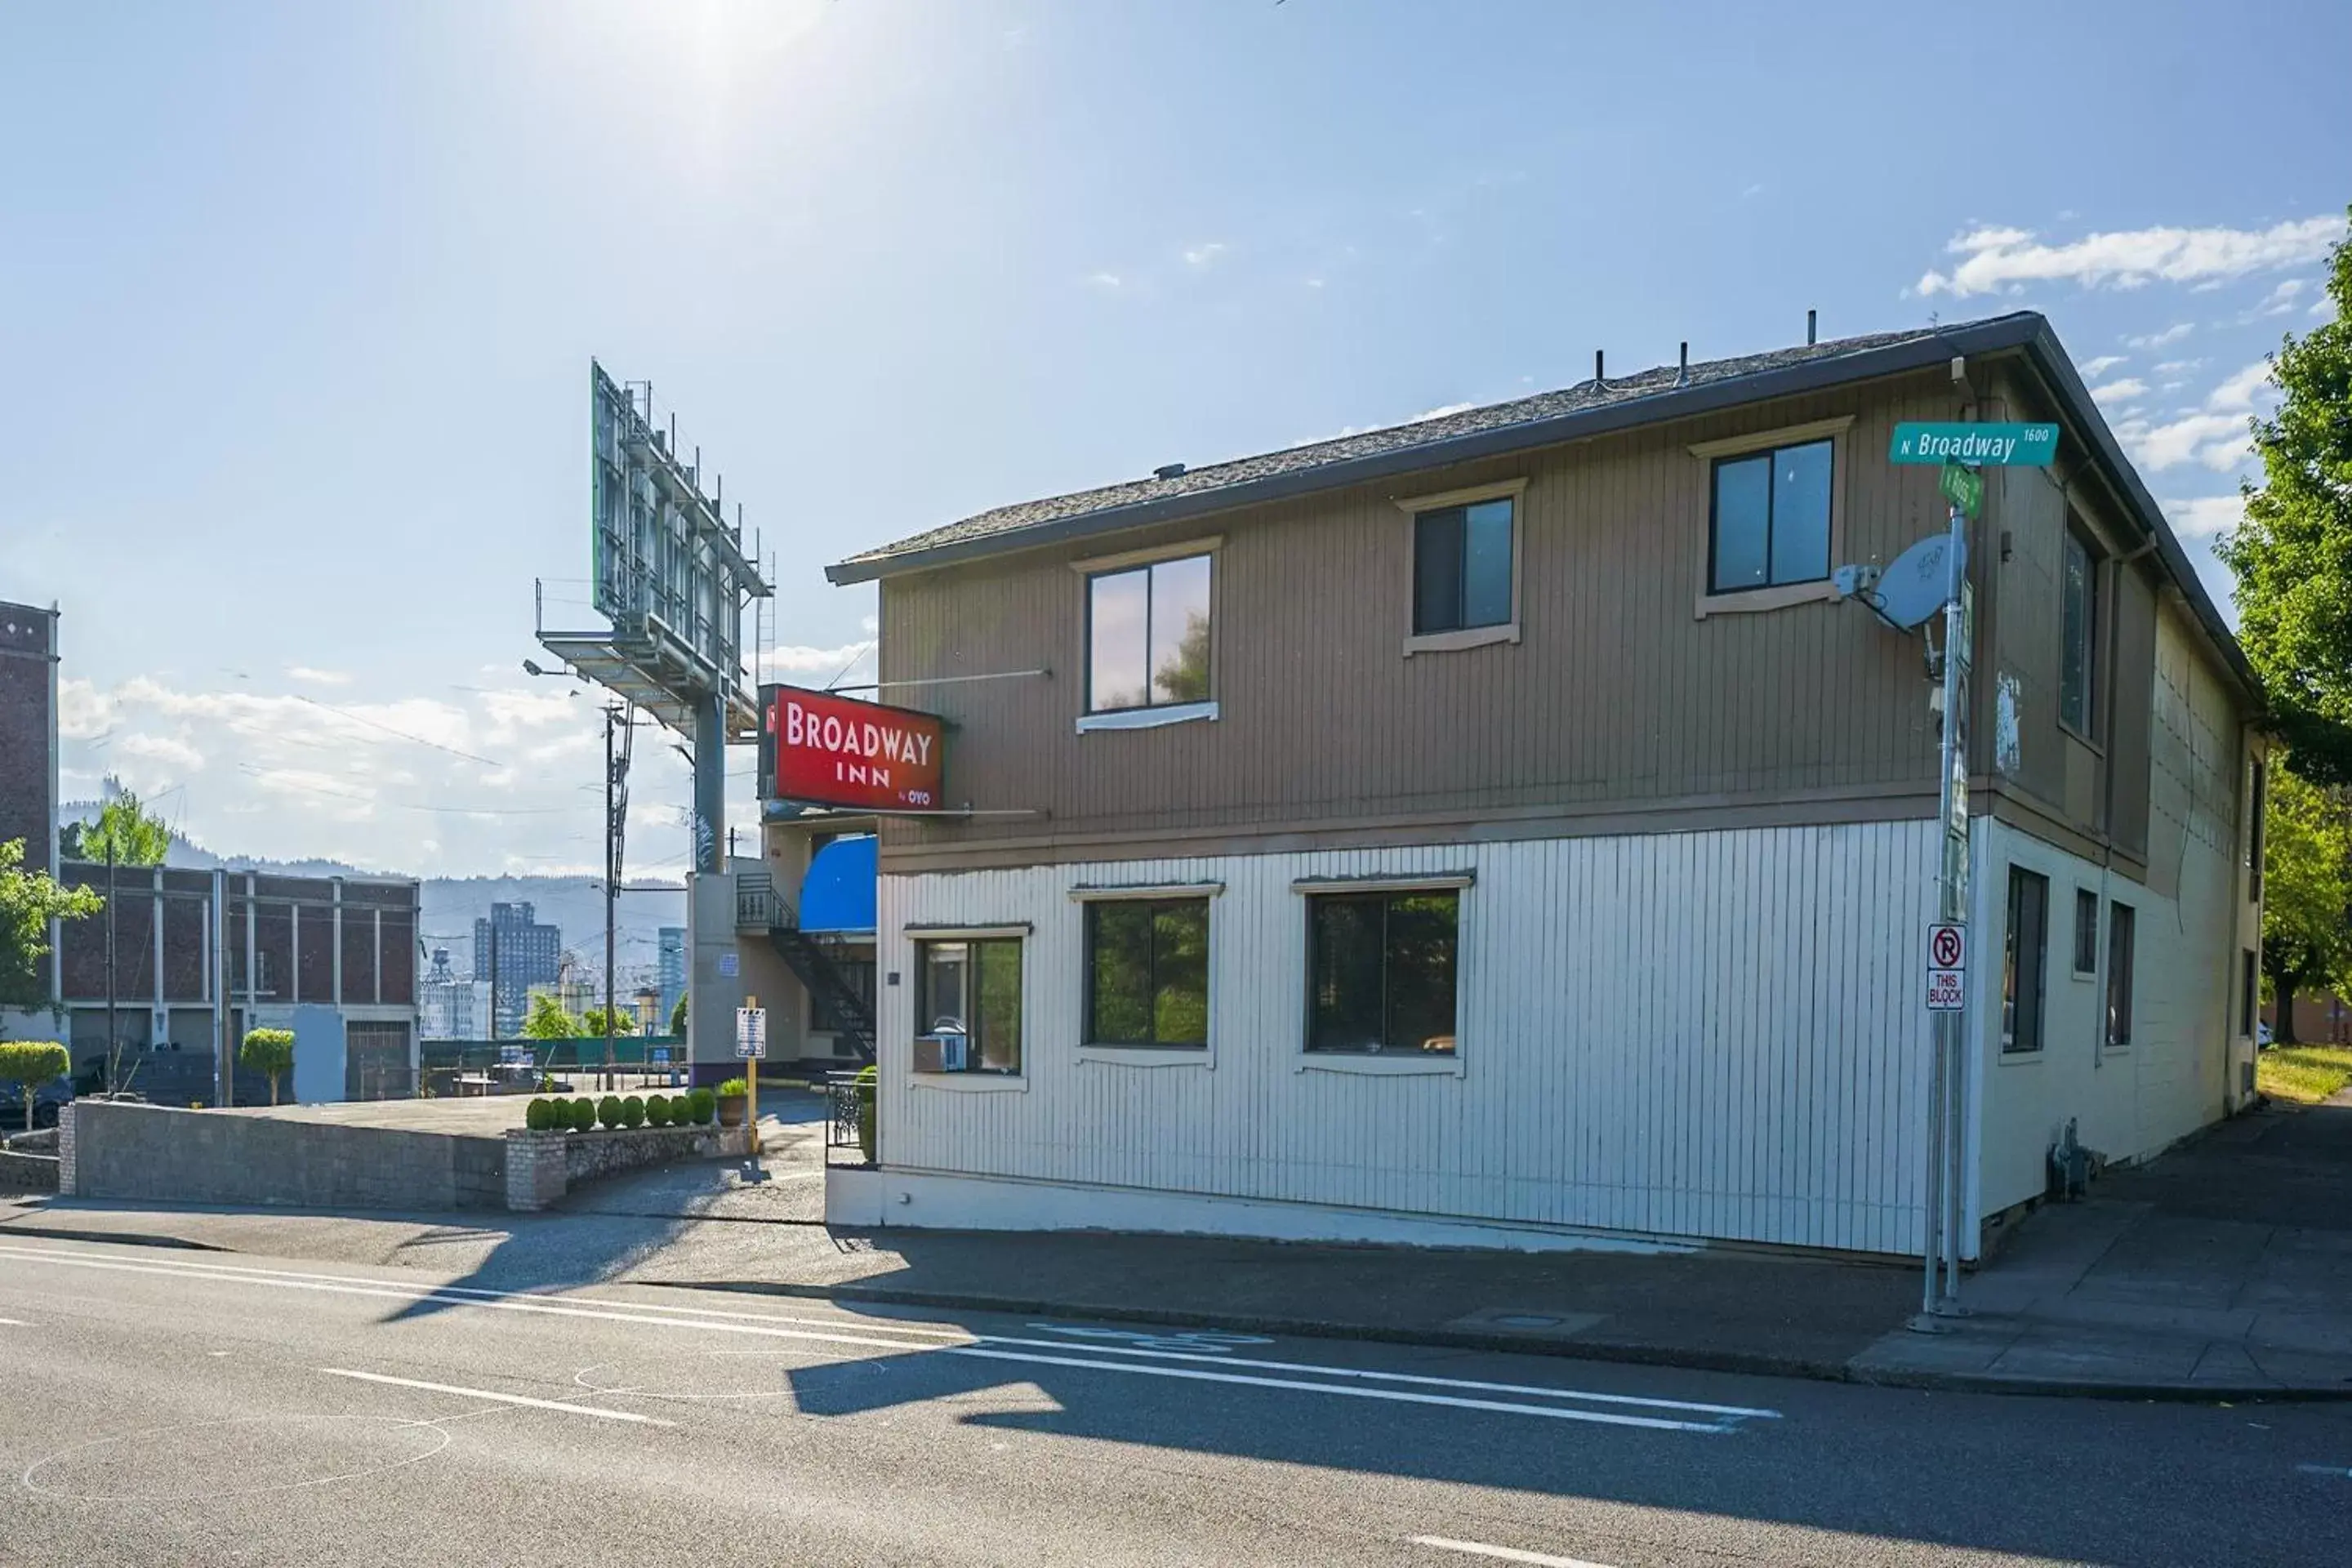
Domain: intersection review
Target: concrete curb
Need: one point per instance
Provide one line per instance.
(1757, 1363)
(118, 1238)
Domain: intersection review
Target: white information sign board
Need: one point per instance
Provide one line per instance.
(751, 1033)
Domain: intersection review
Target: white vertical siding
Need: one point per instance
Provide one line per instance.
(1703, 1035)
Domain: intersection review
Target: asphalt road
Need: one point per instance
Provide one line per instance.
(173, 1407)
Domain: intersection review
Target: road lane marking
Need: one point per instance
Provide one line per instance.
(501, 1398)
(1503, 1554)
(2326, 1470)
(976, 1348)
(15, 1322)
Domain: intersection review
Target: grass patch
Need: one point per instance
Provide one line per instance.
(2305, 1074)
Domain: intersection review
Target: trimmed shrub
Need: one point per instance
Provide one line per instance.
(701, 1106)
(584, 1114)
(734, 1086)
(633, 1113)
(866, 1080)
(608, 1110)
(657, 1111)
(538, 1115)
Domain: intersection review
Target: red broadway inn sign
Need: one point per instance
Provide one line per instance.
(824, 749)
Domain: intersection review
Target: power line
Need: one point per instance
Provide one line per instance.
(417, 740)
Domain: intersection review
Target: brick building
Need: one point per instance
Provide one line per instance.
(28, 730)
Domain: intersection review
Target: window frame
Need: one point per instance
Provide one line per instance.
(1745, 601)
(2123, 962)
(924, 939)
(1204, 1056)
(2079, 538)
(1151, 714)
(2086, 902)
(1314, 891)
(1416, 506)
(2024, 878)
(2250, 994)
(1089, 913)
(2258, 805)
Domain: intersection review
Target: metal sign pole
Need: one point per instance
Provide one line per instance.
(1944, 1201)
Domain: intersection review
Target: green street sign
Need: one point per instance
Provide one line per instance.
(2001, 446)
(1964, 487)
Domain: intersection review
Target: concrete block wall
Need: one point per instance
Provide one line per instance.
(113, 1150)
(541, 1167)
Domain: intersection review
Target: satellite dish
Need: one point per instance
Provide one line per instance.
(1917, 584)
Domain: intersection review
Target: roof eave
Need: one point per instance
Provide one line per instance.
(1678, 402)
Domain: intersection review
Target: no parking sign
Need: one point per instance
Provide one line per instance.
(1948, 965)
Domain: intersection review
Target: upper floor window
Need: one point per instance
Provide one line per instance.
(2079, 614)
(1771, 517)
(1147, 635)
(1461, 567)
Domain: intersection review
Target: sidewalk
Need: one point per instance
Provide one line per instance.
(2143, 1292)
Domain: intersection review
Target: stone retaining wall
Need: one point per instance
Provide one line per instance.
(541, 1167)
(22, 1173)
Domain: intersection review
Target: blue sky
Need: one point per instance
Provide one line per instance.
(301, 299)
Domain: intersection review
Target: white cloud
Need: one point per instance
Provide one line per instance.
(2102, 364)
(2171, 334)
(2242, 389)
(309, 677)
(1205, 254)
(2281, 299)
(1995, 259)
(2122, 391)
(1108, 282)
(2203, 518)
(776, 663)
(168, 749)
(2219, 441)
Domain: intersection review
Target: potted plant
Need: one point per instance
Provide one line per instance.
(733, 1094)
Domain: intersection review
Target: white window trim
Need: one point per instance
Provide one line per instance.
(974, 1082)
(1466, 636)
(1384, 1064)
(1009, 929)
(1150, 1056)
(1147, 718)
(1781, 595)
(1095, 892)
(1434, 881)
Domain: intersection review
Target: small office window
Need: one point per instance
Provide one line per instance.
(1771, 519)
(2257, 797)
(972, 989)
(2079, 608)
(2022, 955)
(1148, 971)
(2121, 942)
(1461, 567)
(2250, 990)
(1147, 635)
(2086, 931)
(1380, 971)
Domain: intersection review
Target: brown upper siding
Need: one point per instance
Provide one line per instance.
(1619, 708)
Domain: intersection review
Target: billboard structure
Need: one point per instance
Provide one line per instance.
(671, 576)
(819, 749)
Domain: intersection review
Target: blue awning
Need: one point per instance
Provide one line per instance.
(837, 894)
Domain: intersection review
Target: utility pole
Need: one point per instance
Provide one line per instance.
(617, 822)
(114, 1034)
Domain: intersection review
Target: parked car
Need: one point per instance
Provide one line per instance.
(48, 1101)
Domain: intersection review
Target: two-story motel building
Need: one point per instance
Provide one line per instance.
(1496, 830)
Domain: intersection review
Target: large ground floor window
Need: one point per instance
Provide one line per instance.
(1380, 971)
(972, 988)
(1148, 971)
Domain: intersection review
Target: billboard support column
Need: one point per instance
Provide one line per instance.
(710, 783)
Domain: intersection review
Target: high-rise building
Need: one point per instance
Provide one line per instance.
(29, 738)
(449, 1006)
(669, 972)
(513, 952)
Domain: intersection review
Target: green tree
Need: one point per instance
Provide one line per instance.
(678, 1018)
(591, 1022)
(29, 1064)
(29, 900)
(2307, 891)
(137, 836)
(548, 1021)
(269, 1052)
(2292, 555)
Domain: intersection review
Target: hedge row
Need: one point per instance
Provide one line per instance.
(557, 1114)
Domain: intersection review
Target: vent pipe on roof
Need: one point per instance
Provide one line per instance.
(1682, 376)
(1597, 378)
(1169, 471)
(1810, 336)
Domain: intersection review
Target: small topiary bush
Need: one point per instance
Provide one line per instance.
(633, 1113)
(866, 1080)
(538, 1115)
(701, 1106)
(657, 1111)
(608, 1110)
(584, 1114)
